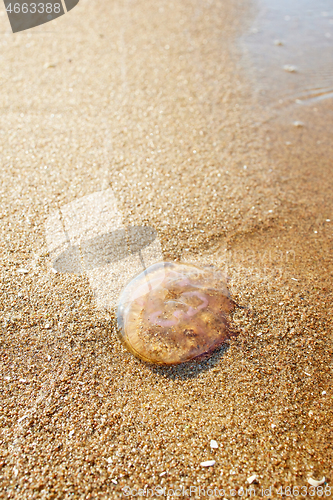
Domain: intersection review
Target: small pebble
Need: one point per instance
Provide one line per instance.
(213, 444)
(298, 124)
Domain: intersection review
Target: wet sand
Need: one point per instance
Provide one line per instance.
(159, 103)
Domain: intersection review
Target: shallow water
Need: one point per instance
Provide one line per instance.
(292, 35)
(288, 54)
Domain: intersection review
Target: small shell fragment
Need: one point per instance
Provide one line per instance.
(252, 478)
(208, 463)
(22, 270)
(290, 68)
(298, 123)
(22, 418)
(313, 482)
(213, 444)
(278, 42)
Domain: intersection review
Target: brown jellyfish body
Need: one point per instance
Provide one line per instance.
(173, 312)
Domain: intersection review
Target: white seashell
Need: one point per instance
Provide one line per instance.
(208, 463)
(298, 124)
(213, 444)
(313, 482)
(251, 479)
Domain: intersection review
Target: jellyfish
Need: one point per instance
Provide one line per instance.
(173, 312)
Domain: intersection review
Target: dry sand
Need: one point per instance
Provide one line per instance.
(152, 100)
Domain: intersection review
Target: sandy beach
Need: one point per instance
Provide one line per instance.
(164, 104)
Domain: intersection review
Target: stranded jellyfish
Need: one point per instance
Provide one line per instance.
(174, 312)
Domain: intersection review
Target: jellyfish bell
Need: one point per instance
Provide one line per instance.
(174, 312)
